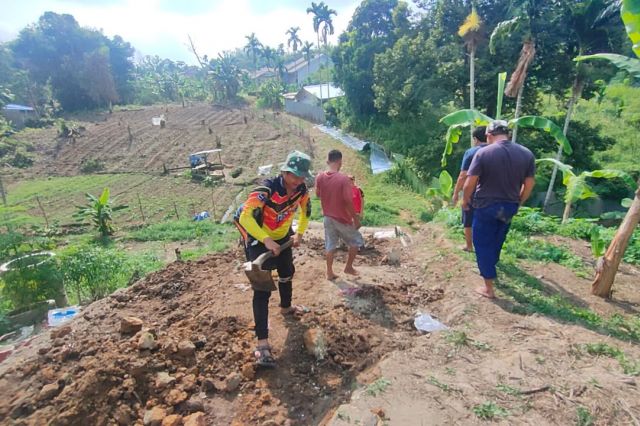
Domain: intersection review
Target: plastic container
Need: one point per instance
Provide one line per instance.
(56, 317)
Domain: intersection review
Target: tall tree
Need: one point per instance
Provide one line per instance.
(590, 30)
(470, 32)
(307, 50)
(253, 48)
(293, 38)
(322, 21)
(269, 55)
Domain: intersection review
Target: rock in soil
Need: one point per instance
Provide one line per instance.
(195, 419)
(130, 325)
(154, 416)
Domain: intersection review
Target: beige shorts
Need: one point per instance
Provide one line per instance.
(335, 231)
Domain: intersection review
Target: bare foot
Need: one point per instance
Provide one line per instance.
(331, 276)
(467, 249)
(482, 291)
(351, 271)
(295, 310)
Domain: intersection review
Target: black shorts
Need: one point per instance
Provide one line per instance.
(467, 217)
(283, 263)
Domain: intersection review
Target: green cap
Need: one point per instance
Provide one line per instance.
(298, 163)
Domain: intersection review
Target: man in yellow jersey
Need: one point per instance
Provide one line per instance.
(265, 221)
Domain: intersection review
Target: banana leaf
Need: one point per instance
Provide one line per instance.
(567, 170)
(610, 174)
(541, 123)
(630, 13)
(501, 31)
(466, 117)
(630, 65)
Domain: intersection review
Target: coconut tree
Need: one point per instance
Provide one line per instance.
(293, 38)
(607, 267)
(470, 32)
(588, 21)
(577, 186)
(253, 48)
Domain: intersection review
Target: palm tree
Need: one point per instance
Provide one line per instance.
(279, 67)
(293, 38)
(322, 21)
(253, 48)
(269, 55)
(307, 48)
(470, 32)
(589, 22)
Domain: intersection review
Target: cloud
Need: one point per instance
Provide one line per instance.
(162, 27)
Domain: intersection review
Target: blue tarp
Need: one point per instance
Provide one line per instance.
(378, 158)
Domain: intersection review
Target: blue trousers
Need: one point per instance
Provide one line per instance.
(490, 227)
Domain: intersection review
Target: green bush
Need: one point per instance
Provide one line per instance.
(91, 166)
(27, 283)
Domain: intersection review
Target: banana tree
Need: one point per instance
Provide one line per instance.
(468, 117)
(99, 210)
(608, 265)
(590, 28)
(577, 186)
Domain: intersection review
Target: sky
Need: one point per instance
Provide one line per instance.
(162, 27)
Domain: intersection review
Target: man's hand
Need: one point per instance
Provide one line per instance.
(455, 198)
(272, 245)
(465, 205)
(297, 239)
(356, 222)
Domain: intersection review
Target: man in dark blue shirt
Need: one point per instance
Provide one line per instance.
(499, 180)
(479, 141)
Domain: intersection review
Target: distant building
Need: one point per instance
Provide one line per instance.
(296, 72)
(307, 102)
(18, 114)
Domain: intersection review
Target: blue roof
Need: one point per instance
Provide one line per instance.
(16, 107)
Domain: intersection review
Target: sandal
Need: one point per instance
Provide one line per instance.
(296, 311)
(264, 358)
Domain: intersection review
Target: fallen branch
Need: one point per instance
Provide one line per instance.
(270, 138)
(535, 390)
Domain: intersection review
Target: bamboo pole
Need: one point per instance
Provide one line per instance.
(46, 220)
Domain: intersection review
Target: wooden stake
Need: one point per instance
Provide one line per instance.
(213, 204)
(175, 209)
(140, 206)
(46, 220)
(4, 197)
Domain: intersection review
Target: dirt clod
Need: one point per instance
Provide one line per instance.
(48, 391)
(154, 416)
(195, 419)
(130, 325)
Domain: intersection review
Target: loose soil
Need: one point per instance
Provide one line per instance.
(378, 368)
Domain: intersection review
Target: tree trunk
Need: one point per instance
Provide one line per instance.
(608, 265)
(472, 85)
(567, 211)
(514, 138)
(578, 85)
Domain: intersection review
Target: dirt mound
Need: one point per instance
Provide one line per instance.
(171, 345)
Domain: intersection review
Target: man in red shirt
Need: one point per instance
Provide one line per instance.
(341, 222)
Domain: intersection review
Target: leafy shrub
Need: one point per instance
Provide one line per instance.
(531, 221)
(91, 166)
(27, 283)
(92, 272)
(21, 160)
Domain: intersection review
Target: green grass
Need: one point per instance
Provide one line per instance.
(182, 230)
(531, 296)
(459, 339)
(378, 387)
(442, 386)
(628, 366)
(489, 411)
(583, 417)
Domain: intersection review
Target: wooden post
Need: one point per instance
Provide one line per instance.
(213, 204)
(46, 220)
(4, 197)
(175, 209)
(140, 206)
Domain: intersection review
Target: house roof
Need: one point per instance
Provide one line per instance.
(16, 107)
(302, 63)
(324, 91)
